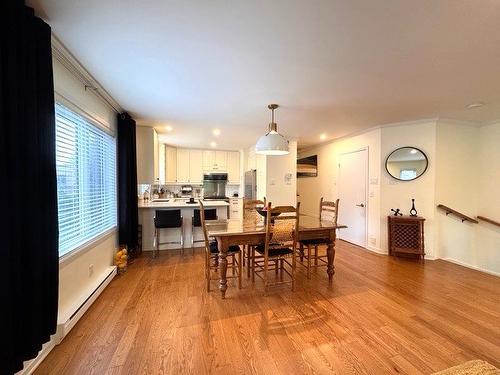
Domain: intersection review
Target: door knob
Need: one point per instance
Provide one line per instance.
(360, 205)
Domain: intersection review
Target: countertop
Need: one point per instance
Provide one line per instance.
(180, 204)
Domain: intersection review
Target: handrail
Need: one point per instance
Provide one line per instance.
(489, 220)
(456, 213)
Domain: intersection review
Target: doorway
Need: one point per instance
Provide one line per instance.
(352, 187)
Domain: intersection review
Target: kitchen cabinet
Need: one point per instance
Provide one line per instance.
(188, 165)
(147, 147)
(183, 166)
(233, 167)
(195, 166)
(170, 164)
(236, 208)
(214, 160)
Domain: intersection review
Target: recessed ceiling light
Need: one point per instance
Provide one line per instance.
(474, 105)
(216, 132)
(322, 136)
(213, 144)
(168, 128)
(413, 151)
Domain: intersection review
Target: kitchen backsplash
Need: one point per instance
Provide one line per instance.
(230, 189)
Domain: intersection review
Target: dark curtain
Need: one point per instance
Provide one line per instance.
(28, 190)
(127, 184)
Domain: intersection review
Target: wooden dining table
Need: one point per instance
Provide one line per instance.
(252, 232)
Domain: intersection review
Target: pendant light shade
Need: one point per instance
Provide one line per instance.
(273, 143)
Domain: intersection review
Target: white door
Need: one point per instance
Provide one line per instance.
(352, 181)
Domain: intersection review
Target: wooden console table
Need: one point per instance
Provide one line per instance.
(406, 235)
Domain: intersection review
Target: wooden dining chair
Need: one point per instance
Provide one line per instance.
(278, 251)
(212, 255)
(329, 211)
(250, 214)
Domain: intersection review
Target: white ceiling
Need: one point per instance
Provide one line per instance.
(335, 67)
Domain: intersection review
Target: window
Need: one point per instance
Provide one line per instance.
(407, 174)
(86, 179)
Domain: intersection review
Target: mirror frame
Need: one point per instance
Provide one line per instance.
(400, 148)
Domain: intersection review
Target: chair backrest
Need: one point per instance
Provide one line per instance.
(281, 230)
(204, 227)
(210, 214)
(168, 219)
(329, 210)
(249, 208)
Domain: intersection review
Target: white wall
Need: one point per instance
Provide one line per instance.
(271, 172)
(487, 235)
(468, 171)
(463, 173)
(311, 189)
(398, 194)
(75, 280)
(147, 149)
(279, 190)
(457, 175)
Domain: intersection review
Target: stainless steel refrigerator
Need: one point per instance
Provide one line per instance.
(251, 184)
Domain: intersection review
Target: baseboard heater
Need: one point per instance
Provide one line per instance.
(63, 327)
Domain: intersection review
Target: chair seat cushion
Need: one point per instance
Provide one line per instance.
(274, 251)
(316, 241)
(215, 249)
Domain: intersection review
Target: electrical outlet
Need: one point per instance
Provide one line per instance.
(91, 269)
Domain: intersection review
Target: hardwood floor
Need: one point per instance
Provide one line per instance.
(381, 315)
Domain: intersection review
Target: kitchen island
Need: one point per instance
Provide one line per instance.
(147, 211)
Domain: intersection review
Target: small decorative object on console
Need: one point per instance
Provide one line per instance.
(413, 211)
(396, 212)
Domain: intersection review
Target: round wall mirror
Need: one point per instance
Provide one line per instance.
(406, 163)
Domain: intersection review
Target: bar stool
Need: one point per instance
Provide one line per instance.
(167, 219)
(210, 214)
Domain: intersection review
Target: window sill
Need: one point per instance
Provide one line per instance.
(83, 248)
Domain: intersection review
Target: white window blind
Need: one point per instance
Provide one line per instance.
(86, 179)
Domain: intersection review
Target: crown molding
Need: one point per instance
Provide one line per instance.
(64, 56)
(446, 120)
(368, 130)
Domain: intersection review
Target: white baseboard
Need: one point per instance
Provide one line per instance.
(460, 263)
(377, 250)
(68, 321)
(30, 366)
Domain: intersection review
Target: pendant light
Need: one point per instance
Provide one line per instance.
(273, 143)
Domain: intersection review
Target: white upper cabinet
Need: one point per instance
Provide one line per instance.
(186, 166)
(221, 159)
(183, 165)
(170, 164)
(233, 167)
(195, 166)
(214, 160)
